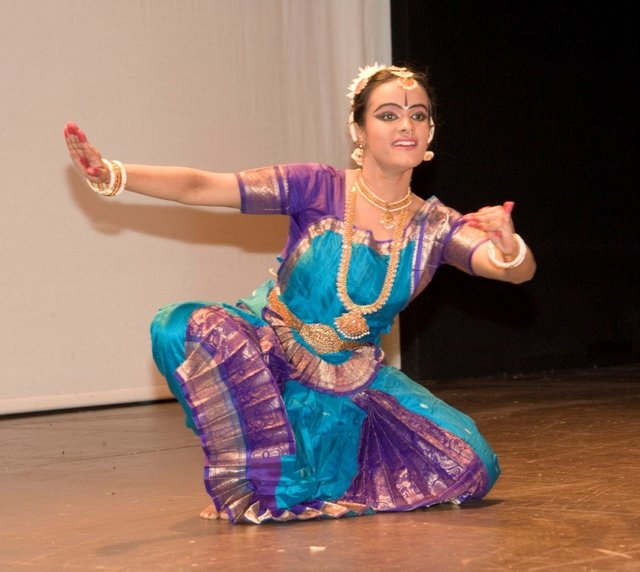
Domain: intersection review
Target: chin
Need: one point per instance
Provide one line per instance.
(400, 163)
(408, 162)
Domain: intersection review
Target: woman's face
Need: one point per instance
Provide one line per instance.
(396, 128)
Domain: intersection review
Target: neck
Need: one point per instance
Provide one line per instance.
(390, 186)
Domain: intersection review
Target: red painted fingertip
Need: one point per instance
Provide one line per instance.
(508, 206)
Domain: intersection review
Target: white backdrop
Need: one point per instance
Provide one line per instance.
(215, 84)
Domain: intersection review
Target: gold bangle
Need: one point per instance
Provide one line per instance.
(117, 180)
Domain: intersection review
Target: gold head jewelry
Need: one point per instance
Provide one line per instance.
(352, 324)
(404, 78)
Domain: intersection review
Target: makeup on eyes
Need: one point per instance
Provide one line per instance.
(402, 107)
(419, 112)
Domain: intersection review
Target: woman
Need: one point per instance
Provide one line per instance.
(298, 414)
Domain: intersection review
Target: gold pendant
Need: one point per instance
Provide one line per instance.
(387, 220)
(352, 325)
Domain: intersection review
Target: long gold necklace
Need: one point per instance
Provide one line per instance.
(352, 324)
(387, 220)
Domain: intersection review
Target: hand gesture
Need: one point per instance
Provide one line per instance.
(86, 158)
(496, 222)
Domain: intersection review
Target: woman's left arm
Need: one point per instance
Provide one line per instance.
(505, 256)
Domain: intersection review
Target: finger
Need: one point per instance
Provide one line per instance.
(485, 215)
(72, 127)
(72, 141)
(76, 132)
(508, 206)
(81, 136)
(485, 212)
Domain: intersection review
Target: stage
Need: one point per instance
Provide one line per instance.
(120, 489)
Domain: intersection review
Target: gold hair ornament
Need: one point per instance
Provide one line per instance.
(404, 78)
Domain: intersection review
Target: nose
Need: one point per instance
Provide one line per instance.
(406, 126)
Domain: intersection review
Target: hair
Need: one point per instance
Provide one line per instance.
(361, 100)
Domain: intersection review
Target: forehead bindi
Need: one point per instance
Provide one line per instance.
(390, 93)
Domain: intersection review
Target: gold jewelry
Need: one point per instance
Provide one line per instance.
(358, 155)
(387, 220)
(321, 337)
(117, 180)
(352, 324)
(428, 155)
(405, 78)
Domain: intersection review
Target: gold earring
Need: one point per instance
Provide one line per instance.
(358, 154)
(428, 155)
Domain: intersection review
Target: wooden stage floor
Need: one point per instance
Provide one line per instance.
(121, 489)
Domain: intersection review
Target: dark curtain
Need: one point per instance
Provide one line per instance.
(536, 104)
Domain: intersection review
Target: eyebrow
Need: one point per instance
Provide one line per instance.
(401, 107)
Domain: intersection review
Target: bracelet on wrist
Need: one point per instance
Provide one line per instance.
(117, 180)
(517, 261)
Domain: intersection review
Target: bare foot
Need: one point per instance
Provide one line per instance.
(210, 513)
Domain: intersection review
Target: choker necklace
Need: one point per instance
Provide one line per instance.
(353, 325)
(387, 220)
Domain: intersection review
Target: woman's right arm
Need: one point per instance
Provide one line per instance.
(179, 184)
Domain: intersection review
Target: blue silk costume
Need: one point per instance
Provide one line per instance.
(291, 433)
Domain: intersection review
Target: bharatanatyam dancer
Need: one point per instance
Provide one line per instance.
(298, 413)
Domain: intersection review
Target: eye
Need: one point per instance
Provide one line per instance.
(420, 116)
(387, 116)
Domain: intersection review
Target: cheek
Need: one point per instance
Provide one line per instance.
(380, 132)
(424, 133)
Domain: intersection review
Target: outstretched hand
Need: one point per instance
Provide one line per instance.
(496, 222)
(86, 158)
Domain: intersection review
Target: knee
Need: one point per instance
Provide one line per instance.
(168, 329)
(165, 327)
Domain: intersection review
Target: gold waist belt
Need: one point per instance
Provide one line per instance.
(321, 337)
